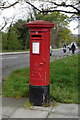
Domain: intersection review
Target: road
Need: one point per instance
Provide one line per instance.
(12, 62)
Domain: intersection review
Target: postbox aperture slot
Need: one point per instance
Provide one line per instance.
(40, 36)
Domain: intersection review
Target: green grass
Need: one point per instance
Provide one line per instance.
(64, 82)
(16, 85)
(28, 104)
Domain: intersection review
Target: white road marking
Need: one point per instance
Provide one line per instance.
(9, 58)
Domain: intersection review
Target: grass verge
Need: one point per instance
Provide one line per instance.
(16, 85)
(64, 82)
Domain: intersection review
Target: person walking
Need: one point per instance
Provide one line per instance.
(73, 47)
(64, 48)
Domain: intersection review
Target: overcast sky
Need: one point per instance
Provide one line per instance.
(22, 12)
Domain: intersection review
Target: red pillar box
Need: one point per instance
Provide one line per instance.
(39, 61)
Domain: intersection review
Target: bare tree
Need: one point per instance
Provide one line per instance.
(73, 4)
(4, 24)
(55, 7)
(5, 5)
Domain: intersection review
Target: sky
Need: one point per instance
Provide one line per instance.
(22, 12)
(72, 27)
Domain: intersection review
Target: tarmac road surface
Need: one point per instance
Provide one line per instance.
(14, 61)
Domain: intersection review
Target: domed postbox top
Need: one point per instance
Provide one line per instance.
(40, 24)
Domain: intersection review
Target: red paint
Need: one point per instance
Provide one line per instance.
(40, 60)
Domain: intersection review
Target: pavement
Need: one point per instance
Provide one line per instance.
(14, 108)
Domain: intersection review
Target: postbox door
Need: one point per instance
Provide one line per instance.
(39, 64)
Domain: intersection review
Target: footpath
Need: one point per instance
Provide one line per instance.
(14, 108)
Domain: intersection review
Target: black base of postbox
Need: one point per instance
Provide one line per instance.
(39, 95)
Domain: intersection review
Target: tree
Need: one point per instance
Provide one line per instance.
(60, 33)
(71, 6)
(4, 41)
(64, 36)
(23, 33)
(12, 39)
(48, 10)
(60, 23)
(66, 4)
(0, 41)
(17, 37)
